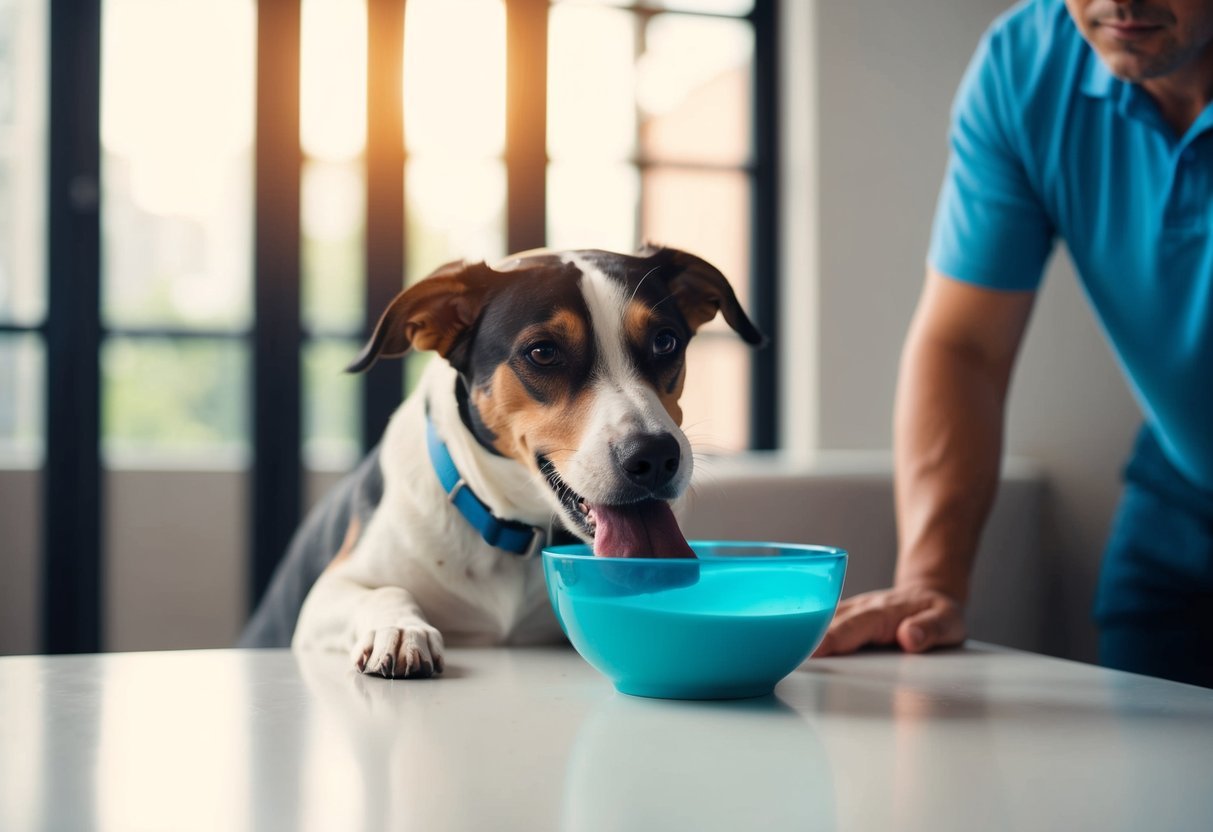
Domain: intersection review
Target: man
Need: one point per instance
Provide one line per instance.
(1088, 121)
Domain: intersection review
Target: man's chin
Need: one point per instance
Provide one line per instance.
(1135, 63)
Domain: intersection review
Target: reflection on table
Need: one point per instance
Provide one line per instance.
(534, 739)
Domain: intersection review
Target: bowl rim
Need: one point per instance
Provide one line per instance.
(803, 552)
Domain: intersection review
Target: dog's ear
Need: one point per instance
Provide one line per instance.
(430, 315)
(700, 291)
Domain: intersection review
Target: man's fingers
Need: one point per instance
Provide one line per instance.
(858, 625)
(914, 620)
(850, 631)
(940, 626)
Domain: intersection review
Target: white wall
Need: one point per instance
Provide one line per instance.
(867, 97)
(176, 558)
(20, 545)
(845, 499)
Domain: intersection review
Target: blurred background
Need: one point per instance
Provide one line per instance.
(205, 204)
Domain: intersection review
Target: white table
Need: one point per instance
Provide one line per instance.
(510, 739)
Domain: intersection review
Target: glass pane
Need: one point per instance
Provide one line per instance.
(737, 7)
(454, 77)
(591, 83)
(332, 405)
(332, 79)
(177, 82)
(704, 212)
(716, 414)
(455, 210)
(334, 211)
(23, 81)
(593, 205)
(733, 7)
(694, 89)
(181, 398)
(22, 399)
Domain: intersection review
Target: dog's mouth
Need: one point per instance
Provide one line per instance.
(645, 528)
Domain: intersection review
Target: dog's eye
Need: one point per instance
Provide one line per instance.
(543, 354)
(665, 342)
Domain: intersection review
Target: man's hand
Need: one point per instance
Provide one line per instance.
(915, 618)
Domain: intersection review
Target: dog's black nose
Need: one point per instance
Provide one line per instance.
(649, 460)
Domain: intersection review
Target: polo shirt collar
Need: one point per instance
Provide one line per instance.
(1098, 81)
(1130, 99)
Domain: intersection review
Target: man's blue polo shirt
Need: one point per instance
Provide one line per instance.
(1047, 143)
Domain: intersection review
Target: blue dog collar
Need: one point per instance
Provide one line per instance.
(510, 535)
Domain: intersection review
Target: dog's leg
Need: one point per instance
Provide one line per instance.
(382, 627)
(393, 639)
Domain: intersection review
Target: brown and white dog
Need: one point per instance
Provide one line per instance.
(556, 407)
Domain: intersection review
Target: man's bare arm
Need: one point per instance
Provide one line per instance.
(947, 435)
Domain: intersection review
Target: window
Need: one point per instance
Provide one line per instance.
(650, 139)
(22, 231)
(649, 136)
(267, 176)
(23, 76)
(176, 213)
(332, 135)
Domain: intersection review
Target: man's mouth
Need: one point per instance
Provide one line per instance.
(1130, 30)
(645, 528)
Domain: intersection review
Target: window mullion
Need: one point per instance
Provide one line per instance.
(383, 387)
(277, 329)
(526, 123)
(72, 487)
(764, 257)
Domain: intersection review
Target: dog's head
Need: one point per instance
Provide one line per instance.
(572, 365)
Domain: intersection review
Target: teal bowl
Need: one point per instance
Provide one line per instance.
(727, 625)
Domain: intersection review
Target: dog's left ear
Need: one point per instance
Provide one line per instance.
(700, 290)
(430, 315)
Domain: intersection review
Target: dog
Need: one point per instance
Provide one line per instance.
(551, 408)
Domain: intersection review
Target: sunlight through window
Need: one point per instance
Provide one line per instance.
(177, 98)
(591, 83)
(332, 79)
(177, 128)
(177, 139)
(454, 77)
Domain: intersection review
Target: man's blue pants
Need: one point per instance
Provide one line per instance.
(1154, 604)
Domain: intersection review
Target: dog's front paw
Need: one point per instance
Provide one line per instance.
(409, 651)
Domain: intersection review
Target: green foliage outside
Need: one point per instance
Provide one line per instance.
(184, 395)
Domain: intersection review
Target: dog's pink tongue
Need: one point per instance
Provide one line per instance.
(640, 530)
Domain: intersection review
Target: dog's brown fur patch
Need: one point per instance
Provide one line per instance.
(669, 396)
(640, 322)
(569, 327)
(352, 533)
(524, 426)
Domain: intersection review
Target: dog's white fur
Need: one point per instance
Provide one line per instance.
(419, 574)
(622, 403)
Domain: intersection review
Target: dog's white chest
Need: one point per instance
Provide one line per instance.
(491, 597)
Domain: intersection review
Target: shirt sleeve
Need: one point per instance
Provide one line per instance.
(990, 228)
